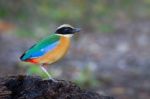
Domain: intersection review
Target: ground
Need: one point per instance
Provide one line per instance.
(28, 87)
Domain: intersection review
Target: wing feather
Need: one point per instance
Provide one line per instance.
(41, 48)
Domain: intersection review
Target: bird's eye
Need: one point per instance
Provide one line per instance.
(66, 30)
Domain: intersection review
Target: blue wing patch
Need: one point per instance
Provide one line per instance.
(42, 47)
(43, 51)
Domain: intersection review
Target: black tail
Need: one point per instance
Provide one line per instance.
(21, 57)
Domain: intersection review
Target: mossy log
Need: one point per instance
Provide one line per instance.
(29, 87)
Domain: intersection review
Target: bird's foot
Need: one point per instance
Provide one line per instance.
(52, 79)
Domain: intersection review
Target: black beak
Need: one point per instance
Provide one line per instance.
(75, 30)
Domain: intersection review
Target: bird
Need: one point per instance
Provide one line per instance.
(51, 48)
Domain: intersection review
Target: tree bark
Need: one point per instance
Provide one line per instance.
(29, 87)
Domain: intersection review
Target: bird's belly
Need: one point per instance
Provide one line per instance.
(56, 54)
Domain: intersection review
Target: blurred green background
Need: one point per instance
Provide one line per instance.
(111, 54)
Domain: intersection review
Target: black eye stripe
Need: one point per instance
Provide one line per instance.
(65, 30)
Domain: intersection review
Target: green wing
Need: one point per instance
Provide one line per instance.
(42, 47)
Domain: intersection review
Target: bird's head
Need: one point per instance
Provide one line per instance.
(66, 30)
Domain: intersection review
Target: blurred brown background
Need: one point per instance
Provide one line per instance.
(111, 55)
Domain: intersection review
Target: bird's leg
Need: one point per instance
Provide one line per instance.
(46, 72)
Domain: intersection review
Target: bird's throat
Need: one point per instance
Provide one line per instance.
(66, 35)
